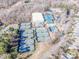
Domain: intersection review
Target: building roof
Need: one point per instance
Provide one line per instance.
(22, 50)
(25, 40)
(37, 17)
(48, 18)
(41, 29)
(43, 39)
(42, 34)
(22, 27)
(53, 29)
